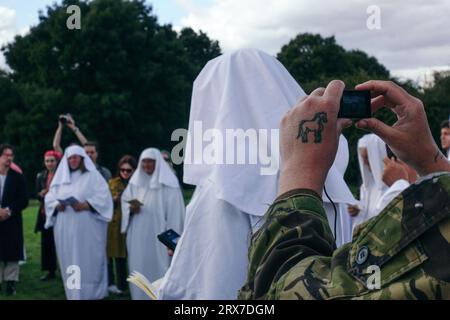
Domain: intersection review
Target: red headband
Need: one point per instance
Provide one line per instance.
(53, 153)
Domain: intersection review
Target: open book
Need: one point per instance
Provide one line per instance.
(150, 289)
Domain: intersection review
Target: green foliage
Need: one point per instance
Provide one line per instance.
(126, 79)
(436, 99)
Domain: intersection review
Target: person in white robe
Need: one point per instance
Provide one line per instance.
(157, 188)
(246, 89)
(80, 228)
(371, 152)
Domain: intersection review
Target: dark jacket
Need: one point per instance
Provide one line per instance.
(41, 183)
(11, 230)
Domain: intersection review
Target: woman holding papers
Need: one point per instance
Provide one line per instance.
(79, 207)
(151, 204)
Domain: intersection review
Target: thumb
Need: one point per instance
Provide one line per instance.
(378, 127)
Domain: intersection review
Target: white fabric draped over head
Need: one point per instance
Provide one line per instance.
(162, 175)
(335, 184)
(342, 155)
(246, 89)
(91, 188)
(62, 174)
(376, 152)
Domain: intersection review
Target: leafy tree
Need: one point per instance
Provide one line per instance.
(436, 99)
(126, 79)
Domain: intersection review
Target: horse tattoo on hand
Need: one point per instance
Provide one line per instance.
(314, 125)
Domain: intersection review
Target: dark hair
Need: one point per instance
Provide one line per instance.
(82, 166)
(445, 124)
(91, 144)
(5, 146)
(126, 159)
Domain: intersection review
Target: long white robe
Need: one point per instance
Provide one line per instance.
(80, 237)
(212, 254)
(163, 208)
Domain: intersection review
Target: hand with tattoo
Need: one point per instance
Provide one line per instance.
(309, 138)
(410, 137)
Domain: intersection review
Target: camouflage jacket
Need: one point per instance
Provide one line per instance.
(403, 253)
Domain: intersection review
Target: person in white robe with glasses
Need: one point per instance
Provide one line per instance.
(152, 203)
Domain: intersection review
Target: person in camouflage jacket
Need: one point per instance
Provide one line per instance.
(403, 253)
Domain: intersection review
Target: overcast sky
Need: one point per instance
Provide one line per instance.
(413, 40)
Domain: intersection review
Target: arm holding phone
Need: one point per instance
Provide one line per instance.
(67, 120)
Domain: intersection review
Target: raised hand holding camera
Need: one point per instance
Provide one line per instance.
(309, 136)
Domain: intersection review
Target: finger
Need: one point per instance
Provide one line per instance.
(385, 132)
(391, 91)
(333, 93)
(318, 92)
(334, 90)
(343, 124)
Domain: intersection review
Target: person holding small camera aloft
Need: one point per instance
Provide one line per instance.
(89, 146)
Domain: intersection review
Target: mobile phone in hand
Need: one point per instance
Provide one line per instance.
(169, 238)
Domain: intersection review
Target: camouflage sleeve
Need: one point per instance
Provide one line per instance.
(402, 253)
(296, 228)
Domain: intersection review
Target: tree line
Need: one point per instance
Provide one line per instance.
(127, 80)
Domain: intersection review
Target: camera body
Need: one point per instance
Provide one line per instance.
(355, 104)
(64, 118)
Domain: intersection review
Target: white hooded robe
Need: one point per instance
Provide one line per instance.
(373, 187)
(247, 89)
(80, 237)
(163, 208)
